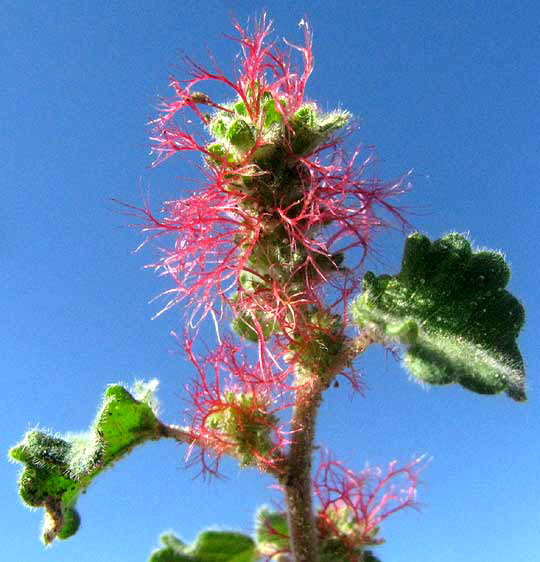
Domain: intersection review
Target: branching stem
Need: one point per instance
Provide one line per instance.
(296, 475)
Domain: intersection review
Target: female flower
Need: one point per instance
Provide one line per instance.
(280, 207)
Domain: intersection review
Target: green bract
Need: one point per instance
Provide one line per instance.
(210, 546)
(249, 325)
(312, 129)
(318, 354)
(236, 132)
(58, 469)
(246, 422)
(449, 306)
(271, 531)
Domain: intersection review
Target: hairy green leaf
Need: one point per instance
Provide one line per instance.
(449, 306)
(57, 469)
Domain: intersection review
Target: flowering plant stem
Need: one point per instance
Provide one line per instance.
(297, 479)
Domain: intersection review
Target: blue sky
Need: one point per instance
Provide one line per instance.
(450, 91)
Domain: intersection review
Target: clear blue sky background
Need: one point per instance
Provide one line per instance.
(449, 89)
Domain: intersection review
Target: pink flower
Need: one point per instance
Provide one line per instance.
(353, 505)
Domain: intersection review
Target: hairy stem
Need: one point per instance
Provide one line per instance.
(297, 480)
(303, 535)
(175, 432)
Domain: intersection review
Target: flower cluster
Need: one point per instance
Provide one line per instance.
(264, 239)
(353, 505)
(232, 411)
(281, 203)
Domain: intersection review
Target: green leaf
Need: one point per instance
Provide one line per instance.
(449, 306)
(210, 546)
(335, 550)
(224, 546)
(57, 469)
(240, 108)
